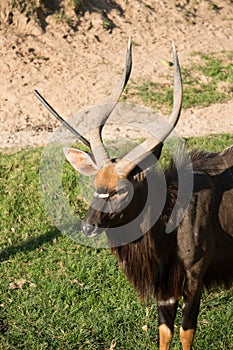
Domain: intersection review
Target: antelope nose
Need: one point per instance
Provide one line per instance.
(87, 228)
(90, 230)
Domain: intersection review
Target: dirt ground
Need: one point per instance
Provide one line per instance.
(78, 65)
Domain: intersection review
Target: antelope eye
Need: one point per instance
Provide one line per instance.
(123, 187)
(122, 190)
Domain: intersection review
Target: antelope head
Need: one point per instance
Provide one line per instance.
(119, 184)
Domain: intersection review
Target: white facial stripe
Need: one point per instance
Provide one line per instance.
(167, 302)
(101, 195)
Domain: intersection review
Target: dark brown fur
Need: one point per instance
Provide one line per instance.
(153, 263)
(198, 252)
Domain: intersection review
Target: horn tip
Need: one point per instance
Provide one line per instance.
(129, 42)
(36, 93)
(173, 46)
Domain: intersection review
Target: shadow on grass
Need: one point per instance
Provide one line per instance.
(30, 244)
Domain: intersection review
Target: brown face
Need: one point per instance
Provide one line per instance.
(107, 178)
(113, 194)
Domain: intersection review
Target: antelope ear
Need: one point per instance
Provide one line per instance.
(80, 161)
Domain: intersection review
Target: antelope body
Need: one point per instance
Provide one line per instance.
(166, 266)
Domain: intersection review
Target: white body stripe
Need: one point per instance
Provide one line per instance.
(101, 195)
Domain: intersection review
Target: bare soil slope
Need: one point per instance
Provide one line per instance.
(77, 63)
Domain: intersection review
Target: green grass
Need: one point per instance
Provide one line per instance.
(56, 294)
(210, 81)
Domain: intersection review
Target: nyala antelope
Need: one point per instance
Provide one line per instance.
(198, 252)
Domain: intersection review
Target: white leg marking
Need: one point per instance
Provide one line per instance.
(167, 302)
